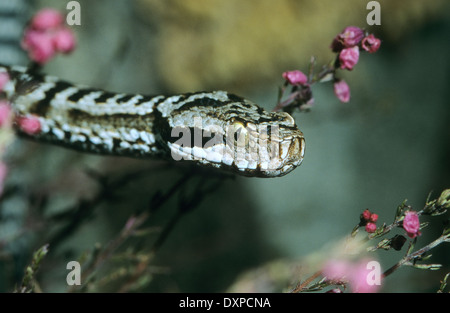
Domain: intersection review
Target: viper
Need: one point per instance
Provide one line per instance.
(215, 129)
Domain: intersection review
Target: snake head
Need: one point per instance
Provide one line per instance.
(269, 146)
(228, 132)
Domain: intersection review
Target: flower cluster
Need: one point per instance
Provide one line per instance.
(368, 219)
(341, 271)
(348, 45)
(47, 35)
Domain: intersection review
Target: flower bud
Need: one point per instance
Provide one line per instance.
(29, 125)
(366, 214)
(371, 43)
(349, 57)
(64, 40)
(371, 227)
(342, 91)
(349, 37)
(373, 217)
(411, 224)
(295, 77)
(46, 19)
(39, 45)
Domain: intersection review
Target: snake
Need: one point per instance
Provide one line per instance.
(214, 129)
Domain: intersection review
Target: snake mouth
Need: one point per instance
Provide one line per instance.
(291, 156)
(297, 151)
(274, 158)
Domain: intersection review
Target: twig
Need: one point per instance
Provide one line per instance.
(130, 227)
(185, 206)
(28, 282)
(416, 255)
(306, 282)
(82, 210)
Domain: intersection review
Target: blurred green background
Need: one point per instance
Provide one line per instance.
(390, 143)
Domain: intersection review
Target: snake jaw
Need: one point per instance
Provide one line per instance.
(290, 156)
(296, 153)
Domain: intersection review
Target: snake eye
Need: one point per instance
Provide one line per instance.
(239, 133)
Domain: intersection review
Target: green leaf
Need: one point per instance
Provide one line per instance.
(431, 267)
(400, 209)
(411, 247)
(355, 230)
(446, 231)
(30, 271)
(384, 244)
(444, 283)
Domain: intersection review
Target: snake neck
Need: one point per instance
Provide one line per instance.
(83, 118)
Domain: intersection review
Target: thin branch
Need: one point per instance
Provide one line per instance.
(416, 255)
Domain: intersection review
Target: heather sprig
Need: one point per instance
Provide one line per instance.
(296, 92)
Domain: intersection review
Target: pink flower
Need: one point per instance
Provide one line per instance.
(360, 276)
(411, 224)
(336, 270)
(371, 43)
(3, 173)
(366, 214)
(64, 40)
(29, 124)
(360, 281)
(371, 227)
(349, 57)
(46, 19)
(5, 113)
(342, 91)
(4, 78)
(46, 36)
(39, 45)
(349, 37)
(295, 77)
(373, 217)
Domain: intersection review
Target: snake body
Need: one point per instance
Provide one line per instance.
(215, 129)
